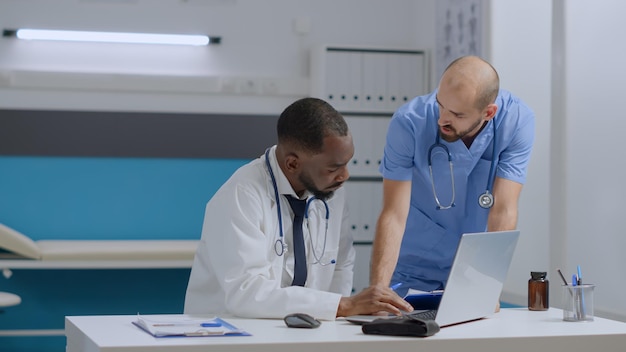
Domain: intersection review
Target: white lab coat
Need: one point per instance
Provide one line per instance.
(236, 269)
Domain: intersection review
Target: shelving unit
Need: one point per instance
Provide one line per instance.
(367, 85)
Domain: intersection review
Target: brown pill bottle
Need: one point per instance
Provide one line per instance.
(538, 291)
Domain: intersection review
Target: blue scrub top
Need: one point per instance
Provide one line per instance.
(432, 236)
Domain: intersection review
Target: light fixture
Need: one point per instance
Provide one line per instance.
(111, 37)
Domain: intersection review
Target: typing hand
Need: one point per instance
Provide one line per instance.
(373, 300)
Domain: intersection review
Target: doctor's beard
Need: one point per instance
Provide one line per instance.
(310, 186)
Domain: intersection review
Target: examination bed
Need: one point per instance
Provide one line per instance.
(18, 251)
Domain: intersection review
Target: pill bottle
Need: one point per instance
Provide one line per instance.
(538, 291)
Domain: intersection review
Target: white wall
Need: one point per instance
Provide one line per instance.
(592, 124)
(570, 209)
(258, 40)
(521, 54)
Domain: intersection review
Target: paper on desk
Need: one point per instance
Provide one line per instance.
(414, 292)
(185, 326)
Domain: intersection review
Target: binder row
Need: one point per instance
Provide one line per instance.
(368, 134)
(365, 200)
(366, 85)
(373, 80)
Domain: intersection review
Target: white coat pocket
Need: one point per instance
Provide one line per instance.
(321, 272)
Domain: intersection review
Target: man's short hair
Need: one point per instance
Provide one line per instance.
(306, 122)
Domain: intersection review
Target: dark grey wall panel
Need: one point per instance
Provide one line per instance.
(126, 134)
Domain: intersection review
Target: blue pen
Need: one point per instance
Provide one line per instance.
(214, 324)
(583, 312)
(395, 286)
(578, 305)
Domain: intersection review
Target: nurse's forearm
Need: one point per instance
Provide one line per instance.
(503, 214)
(385, 251)
(502, 219)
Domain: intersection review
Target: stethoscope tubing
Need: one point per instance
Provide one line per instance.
(485, 200)
(280, 247)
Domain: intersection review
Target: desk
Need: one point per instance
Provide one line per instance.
(510, 330)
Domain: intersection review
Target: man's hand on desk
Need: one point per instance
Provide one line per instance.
(373, 300)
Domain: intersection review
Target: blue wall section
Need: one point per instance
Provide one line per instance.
(100, 198)
(108, 198)
(49, 295)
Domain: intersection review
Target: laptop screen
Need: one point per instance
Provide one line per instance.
(477, 276)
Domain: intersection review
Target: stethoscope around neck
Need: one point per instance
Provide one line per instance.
(280, 247)
(485, 200)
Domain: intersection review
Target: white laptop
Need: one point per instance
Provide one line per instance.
(476, 278)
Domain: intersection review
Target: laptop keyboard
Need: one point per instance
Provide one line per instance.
(423, 314)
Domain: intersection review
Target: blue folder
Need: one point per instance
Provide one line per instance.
(424, 300)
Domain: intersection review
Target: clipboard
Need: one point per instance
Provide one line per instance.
(181, 326)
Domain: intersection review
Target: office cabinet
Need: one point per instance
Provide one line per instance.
(366, 85)
(368, 80)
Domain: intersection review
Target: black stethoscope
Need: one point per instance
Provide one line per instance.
(280, 247)
(485, 200)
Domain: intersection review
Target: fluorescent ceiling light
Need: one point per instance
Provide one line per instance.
(112, 37)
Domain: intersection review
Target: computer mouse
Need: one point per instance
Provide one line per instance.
(301, 320)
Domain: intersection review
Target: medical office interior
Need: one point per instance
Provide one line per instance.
(144, 175)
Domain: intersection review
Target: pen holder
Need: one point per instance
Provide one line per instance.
(578, 302)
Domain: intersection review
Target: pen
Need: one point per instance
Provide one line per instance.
(562, 277)
(204, 325)
(564, 281)
(577, 303)
(582, 296)
(395, 286)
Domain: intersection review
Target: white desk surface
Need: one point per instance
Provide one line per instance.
(509, 330)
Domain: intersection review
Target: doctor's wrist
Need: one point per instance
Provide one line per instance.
(346, 305)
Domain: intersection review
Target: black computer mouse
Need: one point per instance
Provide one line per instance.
(301, 320)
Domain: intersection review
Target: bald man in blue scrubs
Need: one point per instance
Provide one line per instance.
(454, 162)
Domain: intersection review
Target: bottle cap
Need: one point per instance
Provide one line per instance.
(538, 275)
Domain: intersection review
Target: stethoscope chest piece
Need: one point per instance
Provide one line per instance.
(485, 200)
(280, 247)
